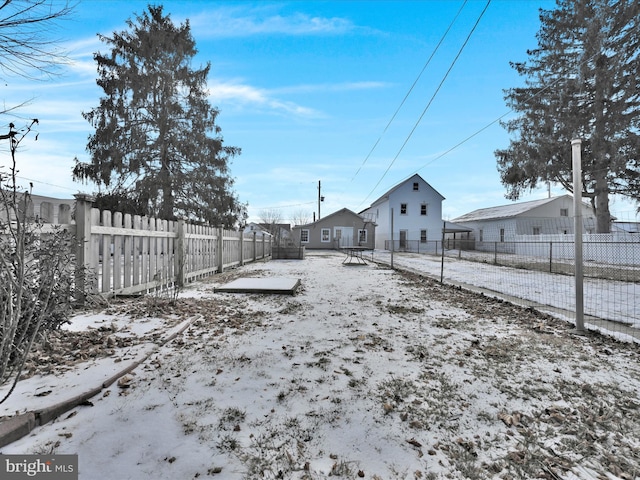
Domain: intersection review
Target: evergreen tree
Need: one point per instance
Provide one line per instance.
(156, 147)
(583, 81)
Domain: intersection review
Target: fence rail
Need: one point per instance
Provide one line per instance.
(605, 259)
(124, 254)
(540, 270)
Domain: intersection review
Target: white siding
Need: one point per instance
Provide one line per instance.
(413, 222)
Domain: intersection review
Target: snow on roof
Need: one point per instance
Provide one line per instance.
(504, 211)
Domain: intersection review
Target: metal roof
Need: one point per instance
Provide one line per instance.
(505, 211)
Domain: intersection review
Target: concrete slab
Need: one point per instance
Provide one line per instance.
(276, 285)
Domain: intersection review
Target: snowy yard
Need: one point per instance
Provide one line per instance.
(364, 373)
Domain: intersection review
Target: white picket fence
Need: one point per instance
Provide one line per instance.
(122, 254)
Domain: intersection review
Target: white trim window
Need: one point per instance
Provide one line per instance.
(362, 236)
(403, 209)
(423, 209)
(325, 235)
(304, 235)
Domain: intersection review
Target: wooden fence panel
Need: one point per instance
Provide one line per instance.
(127, 252)
(124, 254)
(117, 253)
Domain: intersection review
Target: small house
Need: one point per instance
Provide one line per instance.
(343, 228)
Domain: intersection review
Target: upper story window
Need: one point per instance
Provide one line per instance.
(403, 209)
(564, 212)
(416, 186)
(423, 209)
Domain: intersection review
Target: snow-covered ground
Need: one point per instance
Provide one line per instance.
(608, 299)
(365, 373)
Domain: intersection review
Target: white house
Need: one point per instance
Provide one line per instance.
(417, 215)
(502, 224)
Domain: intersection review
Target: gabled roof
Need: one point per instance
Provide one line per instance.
(450, 227)
(410, 179)
(505, 211)
(344, 210)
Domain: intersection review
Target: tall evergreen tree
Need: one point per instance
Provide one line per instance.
(156, 148)
(583, 81)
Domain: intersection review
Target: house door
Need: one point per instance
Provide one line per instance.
(343, 236)
(403, 239)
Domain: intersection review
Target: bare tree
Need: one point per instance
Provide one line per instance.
(270, 220)
(25, 44)
(270, 217)
(301, 217)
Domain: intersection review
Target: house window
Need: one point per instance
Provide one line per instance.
(325, 235)
(403, 209)
(304, 236)
(502, 234)
(423, 209)
(536, 230)
(423, 236)
(480, 235)
(416, 186)
(362, 236)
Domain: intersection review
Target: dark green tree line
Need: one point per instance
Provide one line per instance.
(583, 81)
(157, 149)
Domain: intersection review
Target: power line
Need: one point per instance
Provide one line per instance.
(537, 94)
(45, 183)
(410, 89)
(288, 206)
(430, 101)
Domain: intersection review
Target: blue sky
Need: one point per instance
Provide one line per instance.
(306, 89)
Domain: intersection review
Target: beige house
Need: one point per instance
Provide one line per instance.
(45, 209)
(343, 228)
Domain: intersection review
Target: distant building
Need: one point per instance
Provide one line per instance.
(503, 223)
(343, 228)
(45, 209)
(417, 214)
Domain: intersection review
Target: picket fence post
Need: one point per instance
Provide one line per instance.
(84, 203)
(255, 254)
(181, 255)
(220, 252)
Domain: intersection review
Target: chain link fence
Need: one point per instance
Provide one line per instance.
(539, 271)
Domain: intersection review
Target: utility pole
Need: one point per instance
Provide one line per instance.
(320, 199)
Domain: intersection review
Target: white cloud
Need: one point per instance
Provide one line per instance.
(332, 87)
(247, 95)
(240, 22)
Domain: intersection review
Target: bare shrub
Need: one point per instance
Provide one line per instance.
(36, 276)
